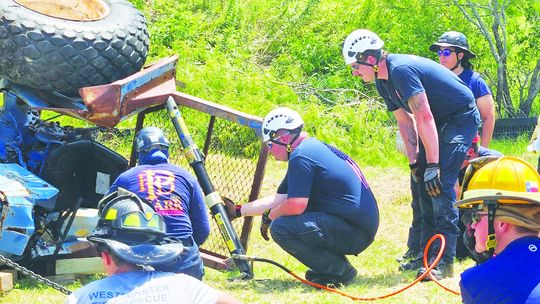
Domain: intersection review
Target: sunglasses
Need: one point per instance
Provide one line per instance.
(445, 52)
(477, 216)
(274, 138)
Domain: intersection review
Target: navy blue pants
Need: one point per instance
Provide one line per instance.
(190, 261)
(455, 138)
(418, 236)
(320, 240)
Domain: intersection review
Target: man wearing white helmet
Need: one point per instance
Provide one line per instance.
(323, 210)
(437, 118)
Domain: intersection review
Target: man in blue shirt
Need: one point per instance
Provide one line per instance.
(437, 118)
(323, 210)
(174, 193)
(503, 196)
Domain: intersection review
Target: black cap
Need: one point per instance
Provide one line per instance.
(453, 39)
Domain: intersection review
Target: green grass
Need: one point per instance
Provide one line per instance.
(377, 267)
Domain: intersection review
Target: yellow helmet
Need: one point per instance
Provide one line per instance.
(509, 180)
(513, 184)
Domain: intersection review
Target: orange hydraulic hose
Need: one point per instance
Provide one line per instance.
(355, 298)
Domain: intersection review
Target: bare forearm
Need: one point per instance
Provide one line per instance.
(408, 132)
(291, 206)
(487, 112)
(259, 206)
(425, 125)
(488, 125)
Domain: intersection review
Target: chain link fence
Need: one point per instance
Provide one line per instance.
(234, 160)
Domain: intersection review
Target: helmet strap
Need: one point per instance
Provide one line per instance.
(288, 146)
(491, 241)
(458, 62)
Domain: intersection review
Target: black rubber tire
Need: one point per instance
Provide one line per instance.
(60, 55)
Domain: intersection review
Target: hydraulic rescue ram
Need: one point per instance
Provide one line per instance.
(212, 197)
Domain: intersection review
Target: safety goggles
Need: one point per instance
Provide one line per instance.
(445, 52)
(274, 138)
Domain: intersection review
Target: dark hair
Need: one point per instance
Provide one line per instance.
(100, 247)
(465, 63)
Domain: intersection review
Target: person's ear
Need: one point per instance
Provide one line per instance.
(106, 258)
(460, 55)
(501, 226)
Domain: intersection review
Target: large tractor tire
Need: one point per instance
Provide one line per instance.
(63, 45)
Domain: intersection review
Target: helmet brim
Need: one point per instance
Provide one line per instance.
(435, 46)
(476, 197)
(142, 254)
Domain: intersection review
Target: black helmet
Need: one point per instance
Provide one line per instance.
(453, 39)
(151, 137)
(133, 231)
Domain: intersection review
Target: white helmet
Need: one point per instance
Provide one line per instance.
(281, 118)
(358, 42)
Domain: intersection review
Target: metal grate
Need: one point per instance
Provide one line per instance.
(514, 127)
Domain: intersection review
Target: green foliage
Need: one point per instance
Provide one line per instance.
(255, 55)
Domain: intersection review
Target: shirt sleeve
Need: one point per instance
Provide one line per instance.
(301, 174)
(407, 81)
(282, 189)
(198, 215)
(480, 87)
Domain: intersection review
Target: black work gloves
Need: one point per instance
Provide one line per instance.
(231, 208)
(432, 180)
(416, 173)
(265, 225)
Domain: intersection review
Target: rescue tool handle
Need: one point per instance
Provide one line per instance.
(212, 197)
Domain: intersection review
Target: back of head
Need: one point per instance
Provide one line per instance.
(281, 119)
(130, 228)
(149, 138)
(360, 42)
(152, 145)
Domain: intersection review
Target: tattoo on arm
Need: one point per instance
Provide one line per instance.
(417, 102)
(412, 136)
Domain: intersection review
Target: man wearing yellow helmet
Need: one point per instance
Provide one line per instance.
(505, 203)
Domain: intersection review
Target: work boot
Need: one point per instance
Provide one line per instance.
(408, 256)
(330, 279)
(441, 271)
(412, 264)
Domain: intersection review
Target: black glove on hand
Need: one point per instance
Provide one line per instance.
(415, 173)
(233, 210)
(265, 225)
(432, 180)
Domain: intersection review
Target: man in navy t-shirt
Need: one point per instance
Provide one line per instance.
(323, 210)
(437, 117)
(175, 195)
(503, 196)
